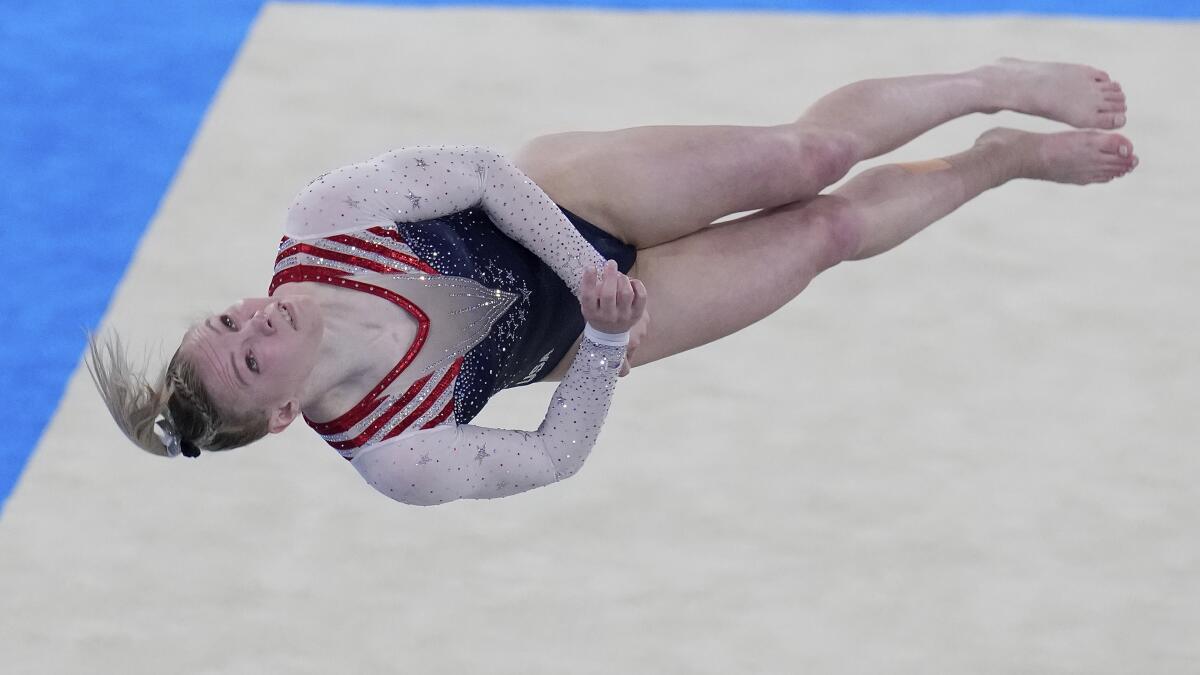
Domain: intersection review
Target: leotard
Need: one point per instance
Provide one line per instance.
(374, 227)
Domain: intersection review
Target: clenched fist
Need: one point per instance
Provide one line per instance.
(611, 302)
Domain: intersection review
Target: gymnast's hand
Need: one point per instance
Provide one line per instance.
(612, 302)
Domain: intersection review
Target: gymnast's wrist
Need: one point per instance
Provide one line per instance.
(607, 339)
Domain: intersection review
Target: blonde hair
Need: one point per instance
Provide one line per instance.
(135, 402)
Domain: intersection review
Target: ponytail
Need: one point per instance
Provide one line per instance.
(170, 414)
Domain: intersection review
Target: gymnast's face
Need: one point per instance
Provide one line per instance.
(257, 354)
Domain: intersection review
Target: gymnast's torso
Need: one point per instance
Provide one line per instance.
(436, 346)
(459, 309)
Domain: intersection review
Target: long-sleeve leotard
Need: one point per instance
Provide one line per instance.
(451, 462)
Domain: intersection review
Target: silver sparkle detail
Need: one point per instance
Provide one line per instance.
(406, 410)
(379, 258)
(437, 407)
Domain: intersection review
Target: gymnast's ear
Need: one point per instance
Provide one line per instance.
(282, 416)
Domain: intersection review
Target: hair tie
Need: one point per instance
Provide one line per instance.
(170, 439)
(189, 449)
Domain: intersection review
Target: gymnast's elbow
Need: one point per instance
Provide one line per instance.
(413, 494)
(567, 463)
(394, 484)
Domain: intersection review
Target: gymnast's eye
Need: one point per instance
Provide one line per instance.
(252, 363)
(228, 321)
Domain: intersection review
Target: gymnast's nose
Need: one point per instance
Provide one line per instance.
(266, 320)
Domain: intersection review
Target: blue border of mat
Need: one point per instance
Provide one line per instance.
(99, 102)
(1149, 9)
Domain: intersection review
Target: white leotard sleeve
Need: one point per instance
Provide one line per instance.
(441, 465)
(420, 183)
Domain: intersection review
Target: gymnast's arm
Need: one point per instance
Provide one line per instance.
(420, 183)
(472, 462)
(464, 461)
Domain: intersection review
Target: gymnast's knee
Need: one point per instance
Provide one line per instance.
(839, 225)
(825, 155)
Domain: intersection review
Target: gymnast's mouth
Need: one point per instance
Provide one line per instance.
(289, 315)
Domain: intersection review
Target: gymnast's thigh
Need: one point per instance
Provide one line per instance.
(651, 185)
(557, 163)
(713, 283)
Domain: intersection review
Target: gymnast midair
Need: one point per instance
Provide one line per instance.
(410, 288)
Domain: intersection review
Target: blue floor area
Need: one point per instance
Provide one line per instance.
(98, 102)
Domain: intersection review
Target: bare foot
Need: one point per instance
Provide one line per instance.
(1081, 96)
(1079, 157)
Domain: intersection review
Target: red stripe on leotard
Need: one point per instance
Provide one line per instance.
(346, 422)
(383, 419)
(441, 416)
(429, 400)
(349, 240)
(382, 250)
(377, 231)
(287, 276)
(345, 258)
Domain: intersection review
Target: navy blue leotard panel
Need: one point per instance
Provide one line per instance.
(539, 329)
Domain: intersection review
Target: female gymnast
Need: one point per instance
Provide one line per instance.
(410, 288)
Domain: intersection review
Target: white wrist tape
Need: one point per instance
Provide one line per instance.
(609, 339)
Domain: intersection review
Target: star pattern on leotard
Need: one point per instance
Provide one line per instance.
(352, 202)
(479, 170)
(415, 199)
(421, 162)
(424, 459)
(482, 454)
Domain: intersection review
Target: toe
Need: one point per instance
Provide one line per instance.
(1118, 121)
(1116, 144)
(1100, 76)
(1124, 167)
